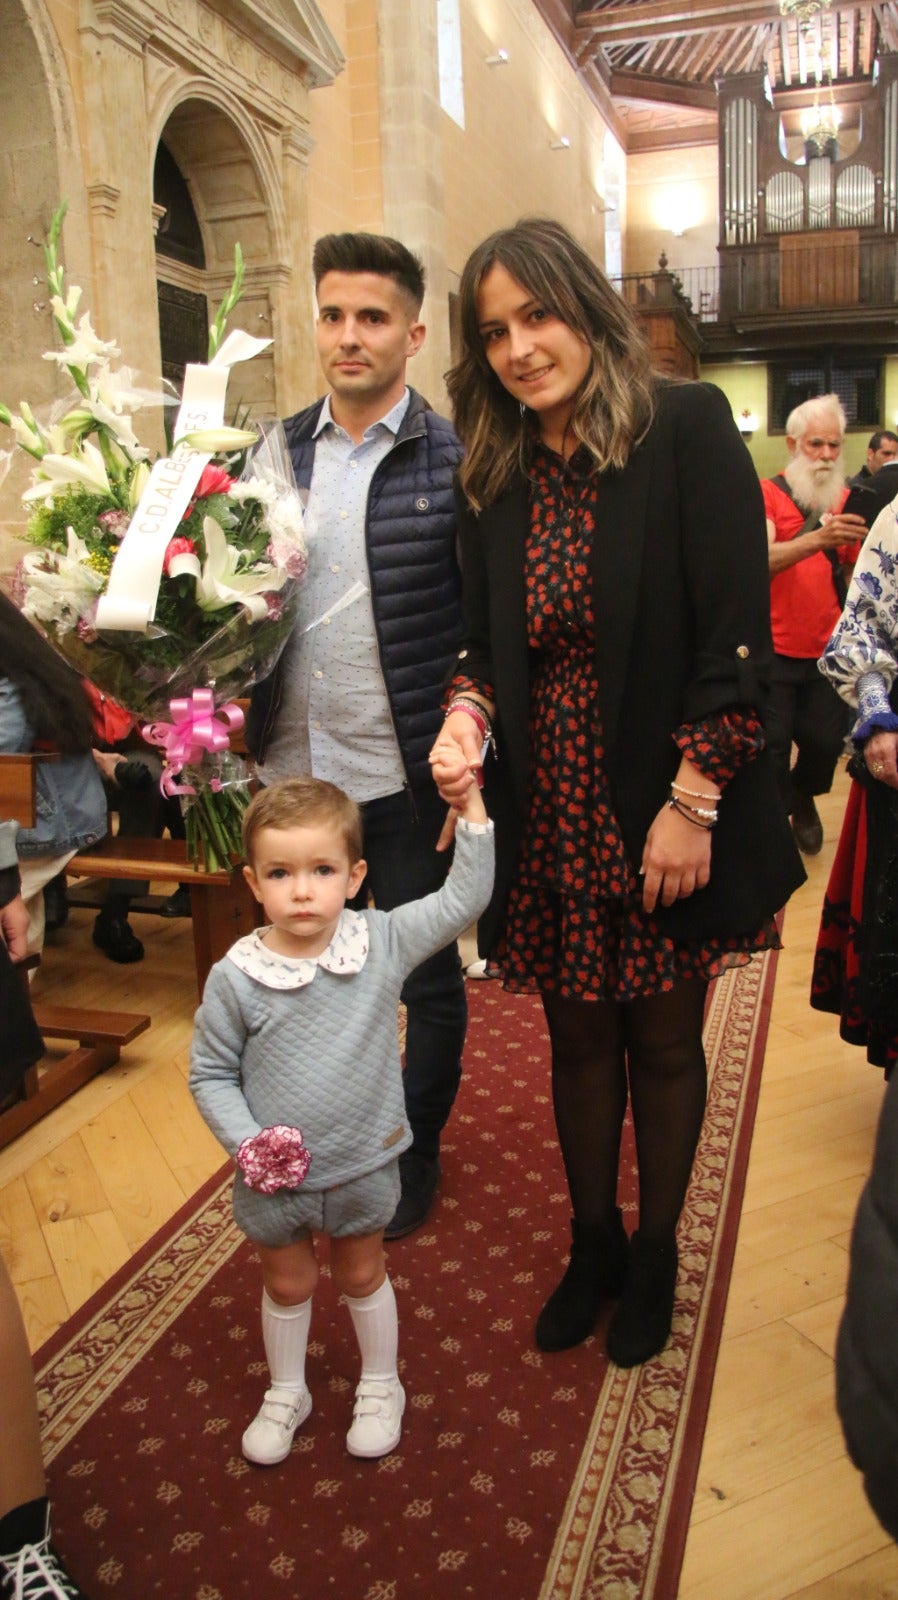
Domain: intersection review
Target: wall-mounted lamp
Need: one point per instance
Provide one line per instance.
(748, 424)
(498, 60)
(561, 143)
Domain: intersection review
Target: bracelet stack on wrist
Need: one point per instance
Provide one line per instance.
(477, 712)
(699, 816)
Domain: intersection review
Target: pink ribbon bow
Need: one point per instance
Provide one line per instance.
(195, 727)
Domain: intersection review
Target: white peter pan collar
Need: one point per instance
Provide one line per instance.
(345, 955)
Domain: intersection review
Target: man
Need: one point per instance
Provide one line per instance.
(883, 447)
(356, 699)
(809, 543)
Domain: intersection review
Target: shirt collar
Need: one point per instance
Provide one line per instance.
(392, 421)
(345, 956)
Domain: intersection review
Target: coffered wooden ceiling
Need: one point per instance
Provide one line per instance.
(651, 65)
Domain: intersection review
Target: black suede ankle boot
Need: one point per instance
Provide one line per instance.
(642, 1320)
(595, 1272)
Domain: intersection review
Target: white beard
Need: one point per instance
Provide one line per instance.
(816, 485)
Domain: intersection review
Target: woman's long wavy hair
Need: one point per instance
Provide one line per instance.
(50, 690)
(614, 407)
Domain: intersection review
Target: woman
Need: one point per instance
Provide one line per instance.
(856, 960)
(43, 706)
(618, 639)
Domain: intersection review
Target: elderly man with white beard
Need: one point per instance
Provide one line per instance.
(810, 542)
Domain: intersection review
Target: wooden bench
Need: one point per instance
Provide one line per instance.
(221, 903)
(98, 1035)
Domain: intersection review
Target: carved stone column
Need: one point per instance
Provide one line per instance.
(119, 175)
(292, 296)
(412, 165)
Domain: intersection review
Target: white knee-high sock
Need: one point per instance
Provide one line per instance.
(285, 1333)
(376, 1326)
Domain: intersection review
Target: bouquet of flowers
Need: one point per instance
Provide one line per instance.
(172, 586)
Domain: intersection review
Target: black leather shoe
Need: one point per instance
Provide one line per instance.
(177, 904)
(595, 1272)
(420, 1177)
(807, 829)
(642, 1320)
(117, 939)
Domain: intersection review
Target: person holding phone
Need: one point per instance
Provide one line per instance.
(811, 539)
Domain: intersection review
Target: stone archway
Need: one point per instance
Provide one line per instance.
(233, 204)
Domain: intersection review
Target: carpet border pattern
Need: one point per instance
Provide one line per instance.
(623, 1529)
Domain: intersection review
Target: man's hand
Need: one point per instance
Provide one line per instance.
(838, 529)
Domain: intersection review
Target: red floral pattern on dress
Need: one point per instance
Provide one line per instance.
(574, 921)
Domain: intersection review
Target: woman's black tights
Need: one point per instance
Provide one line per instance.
(656, 1043)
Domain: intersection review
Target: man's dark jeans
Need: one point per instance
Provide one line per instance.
(400, 835)
(803, 708)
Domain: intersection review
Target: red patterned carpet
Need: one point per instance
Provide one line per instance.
(520, 1476)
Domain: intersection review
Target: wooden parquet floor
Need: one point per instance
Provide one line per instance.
(779, 1511)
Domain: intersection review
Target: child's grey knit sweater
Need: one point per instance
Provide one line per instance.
(323, 1055)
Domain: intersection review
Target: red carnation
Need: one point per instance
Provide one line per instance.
(177, 547)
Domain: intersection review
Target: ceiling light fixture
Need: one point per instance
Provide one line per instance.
(498, 60)
(803, 11)
(561, 143)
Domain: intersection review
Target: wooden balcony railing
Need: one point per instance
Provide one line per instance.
(837, 270)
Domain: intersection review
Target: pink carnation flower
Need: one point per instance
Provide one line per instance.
(274, 1159)
(115, 523)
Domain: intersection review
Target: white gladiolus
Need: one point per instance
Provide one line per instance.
(86, 347)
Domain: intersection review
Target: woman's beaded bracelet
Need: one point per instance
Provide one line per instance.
(695, 794)
(693, 814)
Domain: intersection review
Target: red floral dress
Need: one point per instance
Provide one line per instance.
(574, 922)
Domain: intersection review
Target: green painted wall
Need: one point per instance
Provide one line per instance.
(745, 386)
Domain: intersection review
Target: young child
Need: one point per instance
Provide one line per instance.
(295, 1066)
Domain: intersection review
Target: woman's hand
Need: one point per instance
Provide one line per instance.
(676, 859)
(455, 761)
(881, 757)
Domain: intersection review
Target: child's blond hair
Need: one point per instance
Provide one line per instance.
(302, 803)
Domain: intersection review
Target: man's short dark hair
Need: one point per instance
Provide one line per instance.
(370, 252)
(884, 433)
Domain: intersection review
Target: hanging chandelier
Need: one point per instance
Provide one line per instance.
(820, 128)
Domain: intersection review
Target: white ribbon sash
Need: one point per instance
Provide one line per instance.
(133, 588)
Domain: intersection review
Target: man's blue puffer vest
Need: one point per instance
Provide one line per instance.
(415, 582)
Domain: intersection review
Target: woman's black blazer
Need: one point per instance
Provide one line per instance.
(681, 594)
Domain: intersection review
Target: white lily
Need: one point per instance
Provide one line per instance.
(60, 588)
(220, 584)
(138, 484)
(58, 472)
(216, 440)
(28, 435)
